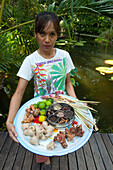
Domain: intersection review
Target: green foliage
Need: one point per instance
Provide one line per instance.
(3, 118)
(10, 51)
(17, 25)
(92, 24)
(107, 35)
(73, 75)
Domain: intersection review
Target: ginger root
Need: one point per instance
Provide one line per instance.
(34, 140)
(49, 131)
(32, 110)
(51, 145)
(37, 131)
(61, 139)
(74, 131)
(28, 117)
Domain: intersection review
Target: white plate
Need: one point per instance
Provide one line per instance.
(74, 145)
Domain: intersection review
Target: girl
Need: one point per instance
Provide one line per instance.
(50, 67)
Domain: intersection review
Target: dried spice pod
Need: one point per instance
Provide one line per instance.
(69, 114)
(66, 108)
(63, 120)
(60, 113)
(57, 106)
(53, 118)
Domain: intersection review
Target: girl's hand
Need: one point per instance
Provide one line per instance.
(12, 132)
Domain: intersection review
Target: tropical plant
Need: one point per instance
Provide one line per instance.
(74, 74)
(106, 36)
(10, 51)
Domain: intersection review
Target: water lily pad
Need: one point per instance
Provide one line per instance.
(107, 70)
(109, 62)
(61, 43)
(111, 78)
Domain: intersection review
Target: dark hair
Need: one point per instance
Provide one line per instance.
(42, 20)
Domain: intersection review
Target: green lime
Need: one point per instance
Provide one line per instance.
(38, 104)
(43, 112)
(46, 107)
(50, 99)
(41, 118)
(35, 105)
(41, 105)
(48, 103)
(44, 100)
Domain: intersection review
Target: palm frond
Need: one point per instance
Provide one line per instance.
(67, 27)
(62, 6)
(51, 7)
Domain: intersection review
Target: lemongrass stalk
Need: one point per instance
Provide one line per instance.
(89, 107)
(85, 117)
(79, 106)
(84, 106)
(74, 101)
(82, 121)
(86, 122)
(93, 102)
(84, 111)
(88, 119)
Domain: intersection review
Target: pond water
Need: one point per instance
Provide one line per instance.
(93, 85)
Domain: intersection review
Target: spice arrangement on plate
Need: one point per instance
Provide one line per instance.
(50, 113)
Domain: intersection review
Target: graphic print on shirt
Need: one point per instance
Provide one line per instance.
(49, 77)
(59, 73)
(41, 76)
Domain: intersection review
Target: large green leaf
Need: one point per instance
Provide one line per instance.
(51, 7)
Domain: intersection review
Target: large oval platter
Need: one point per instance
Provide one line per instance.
(40, 149)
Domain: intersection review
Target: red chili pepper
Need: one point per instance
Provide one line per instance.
(75, 122)
(36, 120)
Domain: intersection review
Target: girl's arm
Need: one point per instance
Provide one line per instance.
(14, 106)
(69, 87)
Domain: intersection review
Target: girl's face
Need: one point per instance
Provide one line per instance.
(47, 38)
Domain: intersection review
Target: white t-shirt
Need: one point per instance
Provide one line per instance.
(49, 74)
